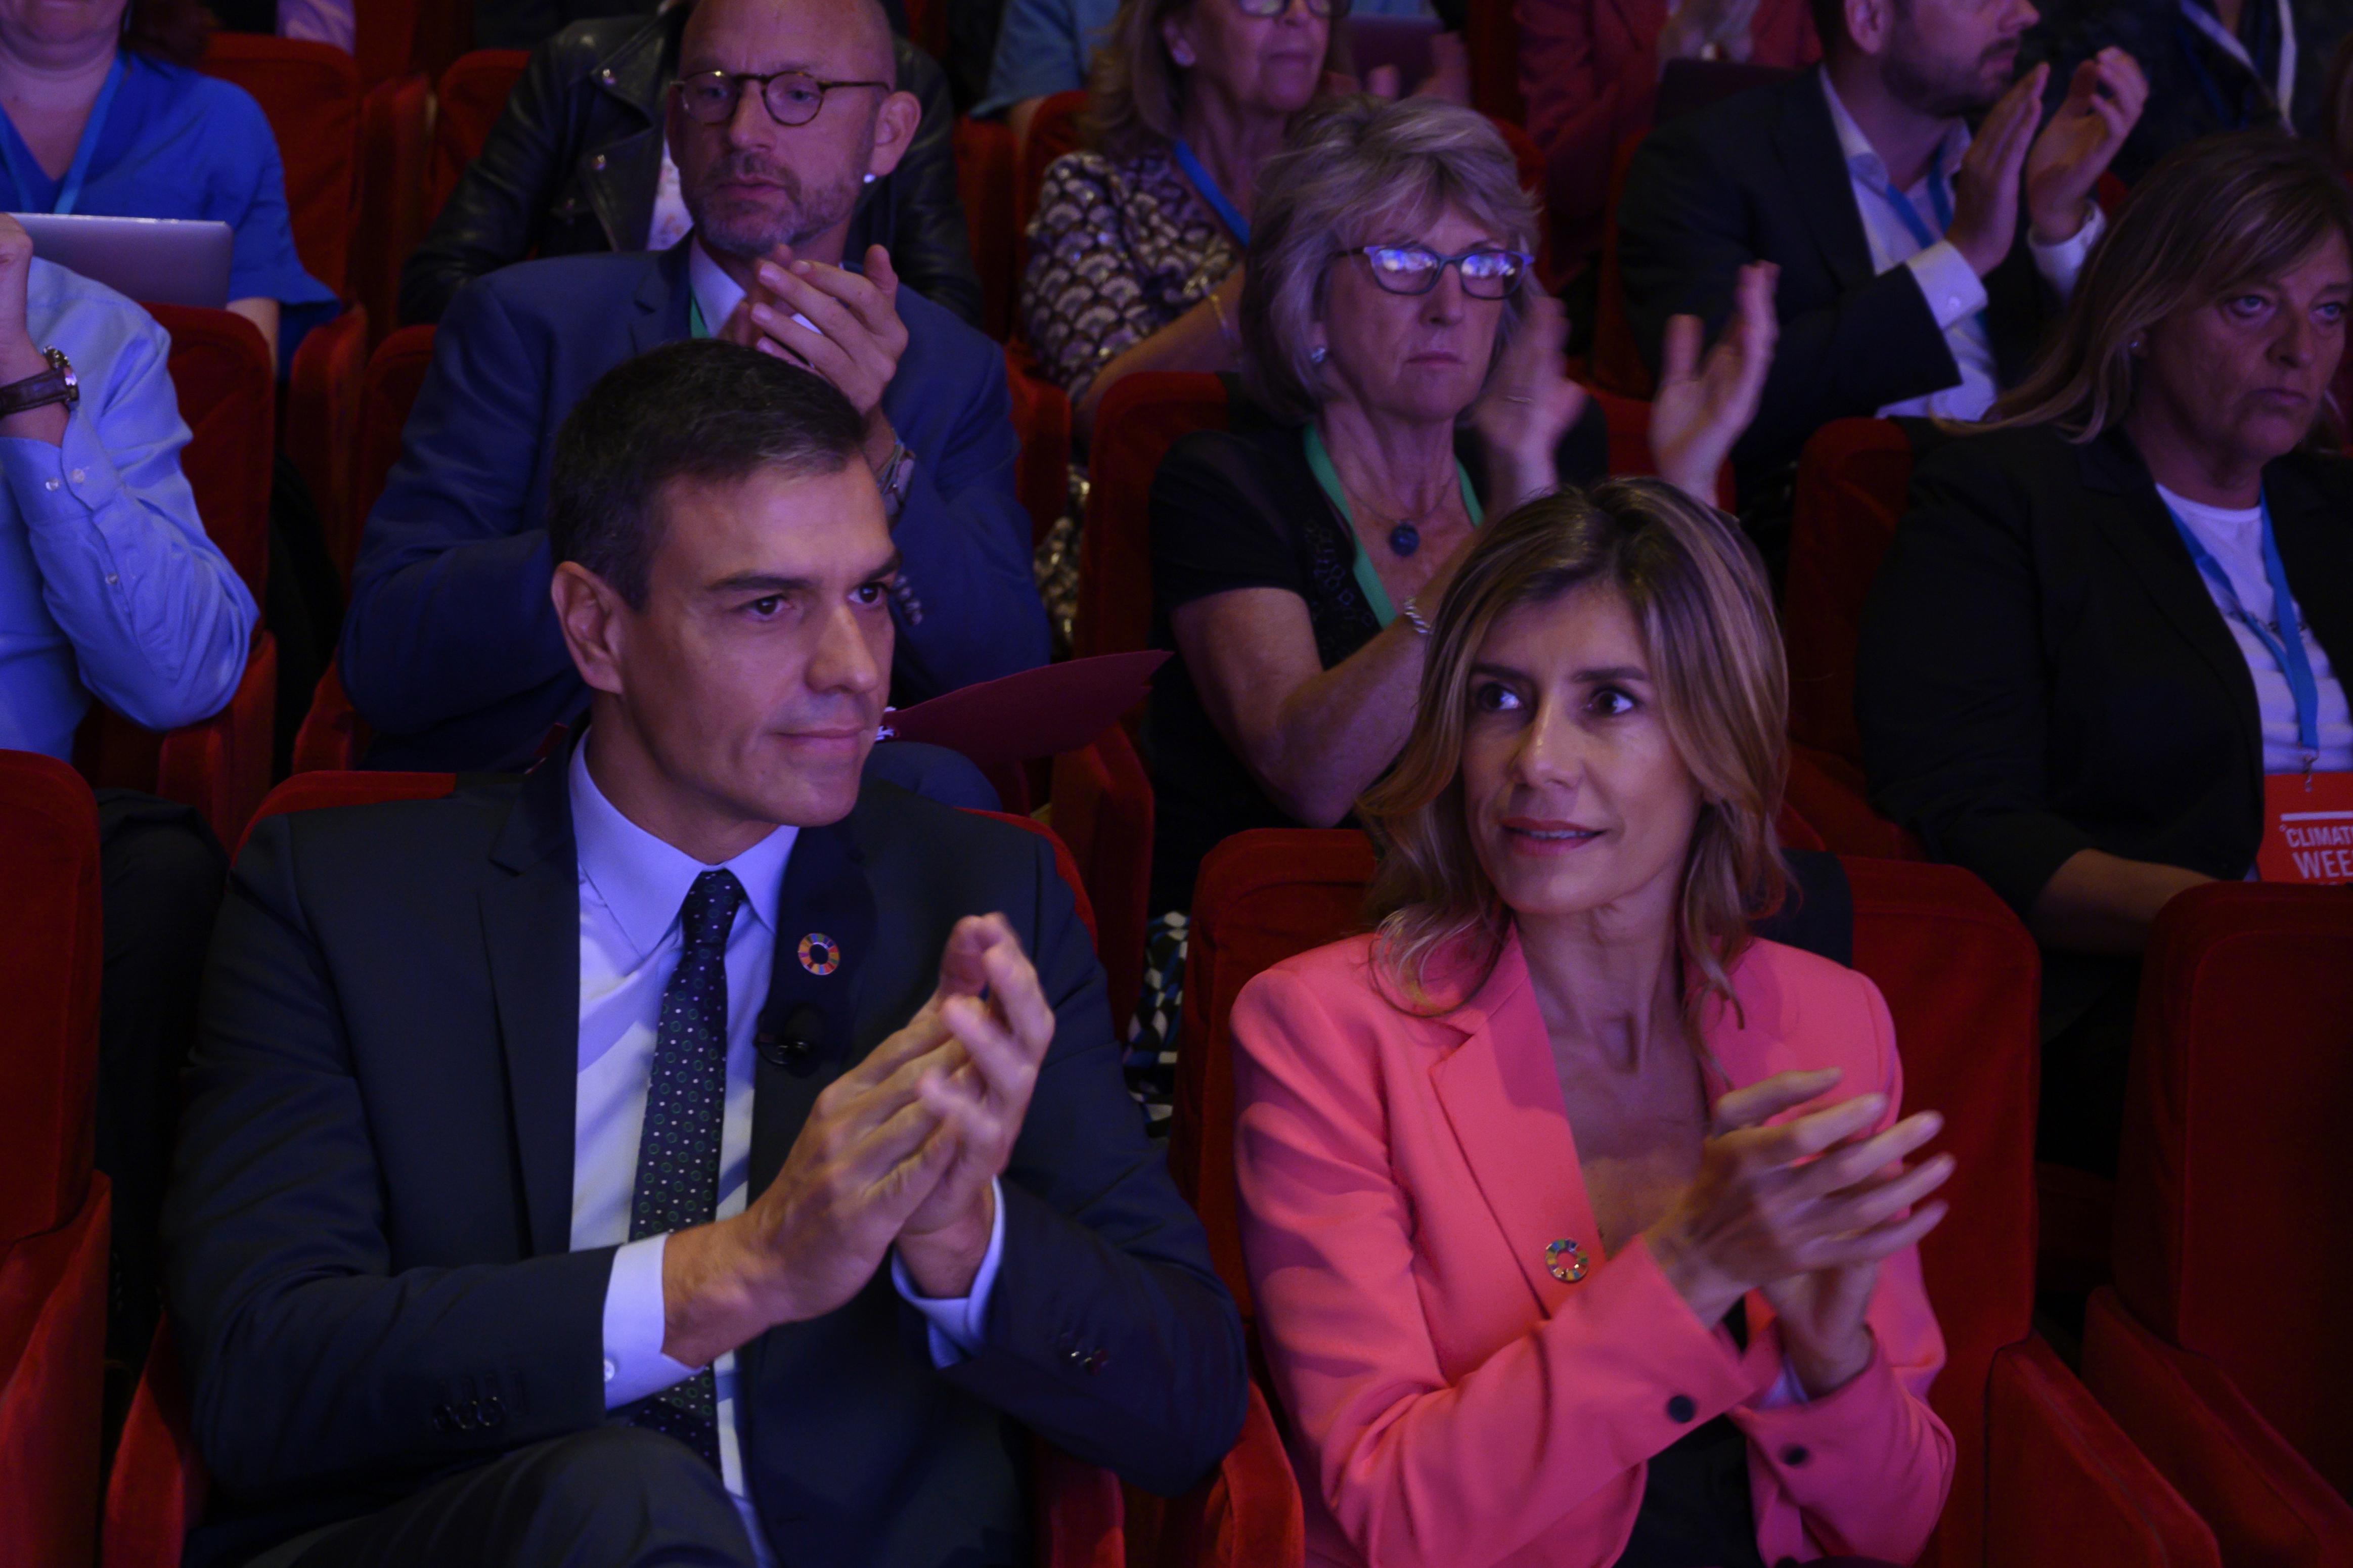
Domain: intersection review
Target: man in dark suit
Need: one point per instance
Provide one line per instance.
(680, 1154)
(1907, 283)
(783, 107)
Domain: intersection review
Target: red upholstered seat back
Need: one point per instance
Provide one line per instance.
(1630, 456)
(1491, 33)
(317, 790)
(1961, 976)
(1053, 131)
(472, 94)
(985, 177)
(1852, 481)
(1103, 810)
(1617, 361)
(1041, 423)
(311, 94)
(1064, 862)
(2234, 1206)
(50, 955)
(1140, 419)
(395, 373)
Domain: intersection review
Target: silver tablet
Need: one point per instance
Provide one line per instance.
(160, 261)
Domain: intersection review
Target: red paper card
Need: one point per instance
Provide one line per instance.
(1040, 712)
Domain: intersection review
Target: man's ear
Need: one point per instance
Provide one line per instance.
(1870, 23)
(894, 131)
(596, 622)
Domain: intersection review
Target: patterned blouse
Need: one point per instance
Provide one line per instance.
(1117, 251)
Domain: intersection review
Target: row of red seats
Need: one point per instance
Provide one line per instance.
(2211, 1429)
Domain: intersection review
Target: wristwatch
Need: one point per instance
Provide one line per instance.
(55, 384)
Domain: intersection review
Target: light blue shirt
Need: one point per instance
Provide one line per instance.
(1043, 46)
(108, 587)
(631, 887)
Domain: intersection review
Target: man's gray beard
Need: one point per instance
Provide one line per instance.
(746, 232)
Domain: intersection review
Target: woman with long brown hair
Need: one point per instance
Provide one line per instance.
(1541, 1277)
(2110, 625)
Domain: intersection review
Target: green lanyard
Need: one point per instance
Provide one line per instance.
(1368, 581)
(696, 327)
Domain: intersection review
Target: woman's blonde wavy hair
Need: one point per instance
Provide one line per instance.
(1704, 614)
(2209, 219)
(1136, 92)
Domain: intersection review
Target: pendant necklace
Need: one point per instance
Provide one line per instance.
(1405, 538)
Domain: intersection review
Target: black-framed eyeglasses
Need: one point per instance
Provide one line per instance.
(791, 97)
(1489, 271)
(1322, 10)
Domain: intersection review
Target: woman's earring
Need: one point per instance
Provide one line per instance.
(869, 179)
(1318, 354)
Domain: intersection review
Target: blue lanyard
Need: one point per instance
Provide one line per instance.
(1235, 223)
(70, 190)
(1937, 197)
(2282, 637)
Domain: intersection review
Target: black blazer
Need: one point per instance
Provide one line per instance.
(1759, 177)
(369, 1228)
(2042, 669)
(572, 165)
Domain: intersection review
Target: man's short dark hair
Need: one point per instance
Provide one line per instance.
(702, 410)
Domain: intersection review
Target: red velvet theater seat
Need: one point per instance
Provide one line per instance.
(53, 1207)
(311, 93)
(2223, 1346)
(396, 372)
(1630, 457)
(221, 370)
(1041, 421)
(471, 95)
(1103, 810)
(985, 177)
(2042, 1477)
(1140, 419)
(1852, 483)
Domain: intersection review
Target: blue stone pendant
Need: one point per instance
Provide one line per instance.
(1405, 538)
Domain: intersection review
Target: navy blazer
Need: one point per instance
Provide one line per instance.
(369, 1228)
(1759, 176)
(451, 649)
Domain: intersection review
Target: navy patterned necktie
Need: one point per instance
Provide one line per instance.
(677, 1151)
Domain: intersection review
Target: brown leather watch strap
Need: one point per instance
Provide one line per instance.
(55, 384)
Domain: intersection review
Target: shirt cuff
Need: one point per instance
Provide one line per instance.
(1951, 286)
(66, 483)
(956, 1322)
(2060, 264)
(634, 1363)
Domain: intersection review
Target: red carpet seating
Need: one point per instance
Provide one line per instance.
(53, 1207)
(470, 96)
(2221, 1347)
(220, 369)
(2044, 1476)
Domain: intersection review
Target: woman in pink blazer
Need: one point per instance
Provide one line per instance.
(1579, 1221)
(1589, 70)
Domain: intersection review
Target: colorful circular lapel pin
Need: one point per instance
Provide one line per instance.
(820, 954)
(1566, 1261)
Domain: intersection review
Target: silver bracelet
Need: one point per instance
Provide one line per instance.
(1414, 617)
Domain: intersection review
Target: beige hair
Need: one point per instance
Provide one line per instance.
(1704, 614)
(1136, 92)
(1355, 171)
(2210, 218)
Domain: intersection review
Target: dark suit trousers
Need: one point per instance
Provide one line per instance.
(611, 1497)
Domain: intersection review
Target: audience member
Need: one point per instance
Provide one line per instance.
(1045, 46)
(2108, 620)
(1540, 1252)
(451, 651)
(577, 161)
(1589, 72)
(1135, 251)
(109, 589)
(486, 1086)
(105, 115)
(1406, 383)
(1908, 283)
(2213, 65)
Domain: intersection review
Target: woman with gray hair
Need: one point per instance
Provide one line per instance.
(1408, 382)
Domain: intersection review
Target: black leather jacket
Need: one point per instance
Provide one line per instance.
(572, 164)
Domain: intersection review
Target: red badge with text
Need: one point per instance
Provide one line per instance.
(2307, 828)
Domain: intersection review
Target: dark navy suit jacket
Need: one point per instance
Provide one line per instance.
(451, 649)
(370, 1221)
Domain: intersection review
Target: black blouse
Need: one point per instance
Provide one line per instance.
(1239, 508)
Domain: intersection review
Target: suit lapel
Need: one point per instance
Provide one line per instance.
(1502, 1097)
(1818, 182)
(2132, 518)
(663, 296)
(530, 927)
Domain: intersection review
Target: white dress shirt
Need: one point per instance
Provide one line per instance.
(2234, 537)
(1956, 294)
(631, 887)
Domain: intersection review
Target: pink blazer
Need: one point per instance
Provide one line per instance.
(1454, 1403)
(1589, 71)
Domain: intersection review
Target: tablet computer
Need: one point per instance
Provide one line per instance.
(156, 260)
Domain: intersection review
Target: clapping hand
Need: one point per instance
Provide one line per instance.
(1806, 1211)
(1701, 407)
(990, 1001)
(1986, 190)
(843, 326)
(1528, 405)
(2104, 98)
